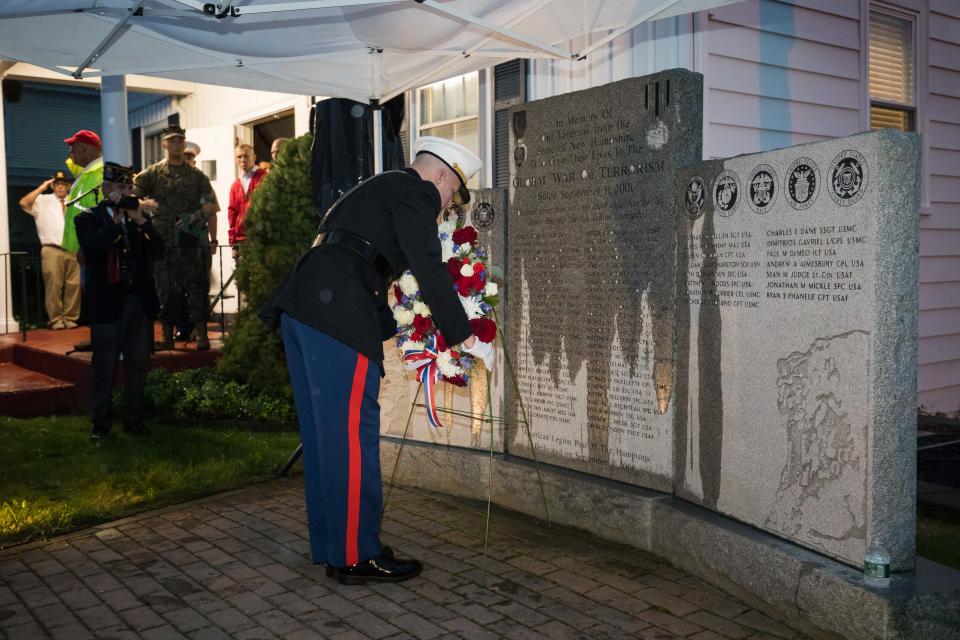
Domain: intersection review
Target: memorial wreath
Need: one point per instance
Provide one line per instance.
(420, 341)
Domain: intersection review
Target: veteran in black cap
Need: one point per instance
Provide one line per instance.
(119, 244)
(334, 316)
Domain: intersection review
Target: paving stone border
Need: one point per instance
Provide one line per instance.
(237, 565)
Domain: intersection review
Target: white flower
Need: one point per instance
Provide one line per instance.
(447, 366)
(447, 250)
(491, 289)
(408, 284)
(471, 306)
(402, 315)
(447, 227)
(466, 247)
(421, 309)
(466, 270)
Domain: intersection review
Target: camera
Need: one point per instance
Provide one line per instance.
(129, 202)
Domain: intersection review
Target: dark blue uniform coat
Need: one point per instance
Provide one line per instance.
(336, 292)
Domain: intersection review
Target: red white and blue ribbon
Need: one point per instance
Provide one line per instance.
(428, 372)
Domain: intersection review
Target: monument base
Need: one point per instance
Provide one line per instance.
(820, 597)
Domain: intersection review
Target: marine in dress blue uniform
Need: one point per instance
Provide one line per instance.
(334, 319)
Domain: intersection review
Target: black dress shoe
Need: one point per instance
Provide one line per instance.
(384, 568)
(333, 572)
(98, 433)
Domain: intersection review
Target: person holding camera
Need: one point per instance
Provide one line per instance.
(119, 245)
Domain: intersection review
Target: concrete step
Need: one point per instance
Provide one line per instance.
(25, 392)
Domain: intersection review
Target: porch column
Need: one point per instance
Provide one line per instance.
(7, 322)
(115, 131)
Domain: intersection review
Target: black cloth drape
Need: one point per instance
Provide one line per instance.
(342, 153)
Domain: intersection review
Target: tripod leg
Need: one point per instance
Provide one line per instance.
(292, 461)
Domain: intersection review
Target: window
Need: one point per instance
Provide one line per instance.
(892, 75)
(451, 109)
(509, 89)
(152, 148)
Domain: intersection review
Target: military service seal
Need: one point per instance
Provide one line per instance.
(803, 183)
(726, 193)
(762, 188)
(848, 178)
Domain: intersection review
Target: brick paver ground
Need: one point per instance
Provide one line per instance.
(237, 566)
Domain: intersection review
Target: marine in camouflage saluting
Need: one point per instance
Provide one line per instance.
(186, 220)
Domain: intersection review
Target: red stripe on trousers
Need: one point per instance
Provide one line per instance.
(353, 443)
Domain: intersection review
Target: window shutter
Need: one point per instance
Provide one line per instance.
(509, 88)
(136, 151)
(891, 59)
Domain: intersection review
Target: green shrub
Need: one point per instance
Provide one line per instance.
(206, 393)
(281, 224)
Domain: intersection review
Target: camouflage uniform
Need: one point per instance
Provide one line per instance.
(180, 192)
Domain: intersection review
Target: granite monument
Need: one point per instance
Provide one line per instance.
(796, 341)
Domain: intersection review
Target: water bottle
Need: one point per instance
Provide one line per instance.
(876, 566)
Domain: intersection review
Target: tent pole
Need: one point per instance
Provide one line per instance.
(113, 119)
(649, 15)
(532, 43)
(107, 42)
(376, 90)
(377, 137)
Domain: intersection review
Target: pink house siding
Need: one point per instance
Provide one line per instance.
(794, 79)
(939, 356)
(779, 73)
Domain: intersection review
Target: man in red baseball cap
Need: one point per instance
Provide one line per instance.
(87, 137)
(87, 165)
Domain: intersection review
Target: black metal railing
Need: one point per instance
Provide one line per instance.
(24, 302)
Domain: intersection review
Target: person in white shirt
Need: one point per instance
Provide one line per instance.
(61, 271)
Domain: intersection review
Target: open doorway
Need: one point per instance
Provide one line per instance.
(278, 125)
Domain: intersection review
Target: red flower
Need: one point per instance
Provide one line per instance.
(467, 234)
(484, 329)
(465, 286)
(460, 381)
(397, 292)
(441, 343)
(422, 325)
(453, 266)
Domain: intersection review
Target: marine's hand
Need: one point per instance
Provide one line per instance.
(482, 350)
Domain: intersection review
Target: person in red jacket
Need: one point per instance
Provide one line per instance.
(243, 186)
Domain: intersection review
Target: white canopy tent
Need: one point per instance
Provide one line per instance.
(359, 49)
(366, 50)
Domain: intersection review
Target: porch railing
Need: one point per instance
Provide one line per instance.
(24, 303)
